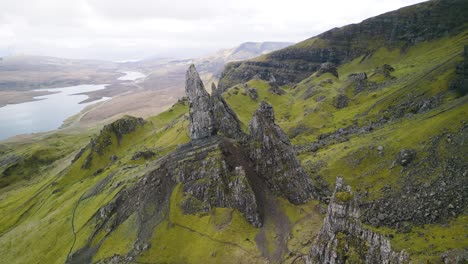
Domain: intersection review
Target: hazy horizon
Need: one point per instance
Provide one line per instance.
(119, 30)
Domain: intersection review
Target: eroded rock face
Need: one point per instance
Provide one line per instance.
(200, 110)
(343, 239)
(460, 83)
(211, 179)
(327, 67)
(226, 121)
(359, 80)
(275, 159)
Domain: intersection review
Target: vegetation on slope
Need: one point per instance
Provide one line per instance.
(52, 195)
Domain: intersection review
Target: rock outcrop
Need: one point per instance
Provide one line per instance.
(327, 67)
(211, 178)
(209, 115)
(220, 167)
(226, 121)
(343, 239)
(275, 159)
(117, 129)
(460, 84)
(202, 123)
(341, 101)
(359, 81)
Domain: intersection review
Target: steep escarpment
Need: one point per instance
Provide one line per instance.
(398, 29)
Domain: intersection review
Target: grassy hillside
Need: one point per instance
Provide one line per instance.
(54, 191)
(399, 29)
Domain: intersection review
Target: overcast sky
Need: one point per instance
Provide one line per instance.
(133, 29)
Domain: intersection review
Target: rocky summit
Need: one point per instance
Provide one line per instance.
(211, 170)
(275, 158)
(348, 147)
(201, 112)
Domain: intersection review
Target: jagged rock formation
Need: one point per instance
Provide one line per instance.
(274, 87)
(226, 121)
(275, 159)
(385, 70)
(209, 114)
(212, 179)
(341, 101)
(230, 170)
(343, 239)
(200, 111)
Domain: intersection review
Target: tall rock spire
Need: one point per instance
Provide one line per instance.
(275, 159)
(202, 124)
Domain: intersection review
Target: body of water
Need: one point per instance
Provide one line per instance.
(132, 76)
(45, 114)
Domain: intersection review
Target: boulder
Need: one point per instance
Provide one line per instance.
(406, 156)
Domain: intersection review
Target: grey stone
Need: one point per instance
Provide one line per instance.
(342, 230)
(275, 159)
(226, 121)
(200, 110)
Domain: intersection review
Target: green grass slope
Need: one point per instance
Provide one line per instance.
(52, 189)
(400, 29)
(423, 73)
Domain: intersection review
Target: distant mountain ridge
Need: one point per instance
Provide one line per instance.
(401, 28)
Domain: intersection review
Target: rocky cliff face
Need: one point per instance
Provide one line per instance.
(201, 112)
(460, 84)
(226, 121)
(343, 239)
(272, 158)
(209, 114)
(275, 159)
(398, 29)
(212, 179)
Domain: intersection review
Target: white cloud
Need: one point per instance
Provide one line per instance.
(120, 29)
